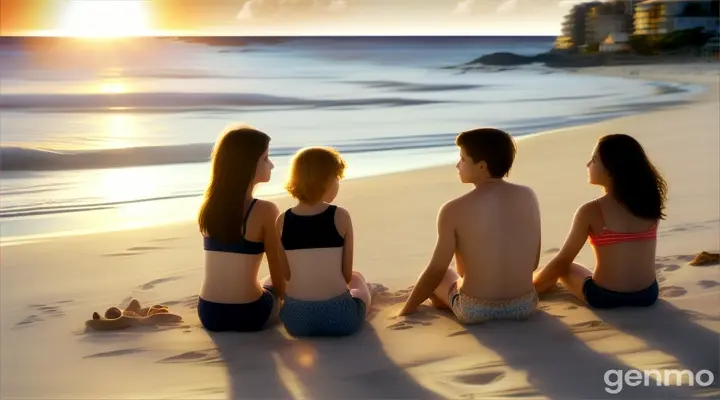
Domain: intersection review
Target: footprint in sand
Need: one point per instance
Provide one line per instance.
(667, 267)
(708, 284)
(407, 324)
(480, 378)
(133, 251)
(589, 326)
(189, 302)
(685, 258)
(160, 240)
(206, 356)
(152, 283)
(115, 353)
(209, 391)
(571, 308)
(53, 311)
(43, 310)
(690, 227)
(672, 291)
(121, 254)
(144, 248)
(29, 320)
(698, 316)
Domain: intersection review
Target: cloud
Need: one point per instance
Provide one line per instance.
(337, 6)
(465, 7)
(507, 6)
(262, 9)
(246, 11)
(253, 9)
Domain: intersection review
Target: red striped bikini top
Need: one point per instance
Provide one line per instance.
(611, 237)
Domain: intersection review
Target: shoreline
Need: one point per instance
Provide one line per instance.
(690, 96)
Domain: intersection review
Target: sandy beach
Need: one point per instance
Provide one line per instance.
(49, 289)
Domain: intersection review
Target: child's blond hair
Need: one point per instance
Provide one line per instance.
(312, 170)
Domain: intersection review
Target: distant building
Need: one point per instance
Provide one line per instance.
(573, 26)
(563, 42)
(658, 17)
(615, 42)
(607, 18)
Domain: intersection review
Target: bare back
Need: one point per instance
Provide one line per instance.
(498, 240)
(624, 266)
(314, 247)
(232, 276)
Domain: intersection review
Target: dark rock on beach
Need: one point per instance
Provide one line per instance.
(576, 59)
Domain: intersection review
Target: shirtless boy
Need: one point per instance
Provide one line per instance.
(494, 233)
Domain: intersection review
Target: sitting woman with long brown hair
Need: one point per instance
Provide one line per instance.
(621, 226)
(237, 229)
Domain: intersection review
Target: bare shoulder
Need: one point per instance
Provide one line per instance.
(343, 222)
(342, 215)
(524, 191)
(585, 210)
(454, 207)
(267, 209)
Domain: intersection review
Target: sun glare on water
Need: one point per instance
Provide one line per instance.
(112, 87)
(106, 19)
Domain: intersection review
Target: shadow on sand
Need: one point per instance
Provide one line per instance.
(251, 369)
(558, 364)
(673, 331)
(270, 365)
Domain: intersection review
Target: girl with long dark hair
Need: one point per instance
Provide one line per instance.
(621, 226)
(237, 230)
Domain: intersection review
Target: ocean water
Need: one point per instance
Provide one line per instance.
(109, 135)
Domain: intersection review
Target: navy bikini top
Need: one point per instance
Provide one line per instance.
(311, 231)
(243, 246)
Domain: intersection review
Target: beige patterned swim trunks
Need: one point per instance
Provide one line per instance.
(470, 310)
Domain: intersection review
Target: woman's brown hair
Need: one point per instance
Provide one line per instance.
(312, 170)
(636, 183)
(234, 162)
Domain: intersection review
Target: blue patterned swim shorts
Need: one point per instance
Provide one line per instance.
(339, 316)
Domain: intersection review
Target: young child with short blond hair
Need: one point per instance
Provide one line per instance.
(324, 296)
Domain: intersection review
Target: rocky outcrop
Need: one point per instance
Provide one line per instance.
(550, 59)
(566, 59)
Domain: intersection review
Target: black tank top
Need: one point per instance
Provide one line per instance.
(311, 231)
(243, 246)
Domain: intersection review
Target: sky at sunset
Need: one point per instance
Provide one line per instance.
(281, 17)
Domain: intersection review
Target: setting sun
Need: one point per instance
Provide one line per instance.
(112, 87)
(105, 18)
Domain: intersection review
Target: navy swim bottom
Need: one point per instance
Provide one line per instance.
(598, 297)
(339, 316)
(246, 317)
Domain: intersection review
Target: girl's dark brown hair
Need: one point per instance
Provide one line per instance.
(636, 183)
(234, 161)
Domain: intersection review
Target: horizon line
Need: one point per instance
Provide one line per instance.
(26, 35)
